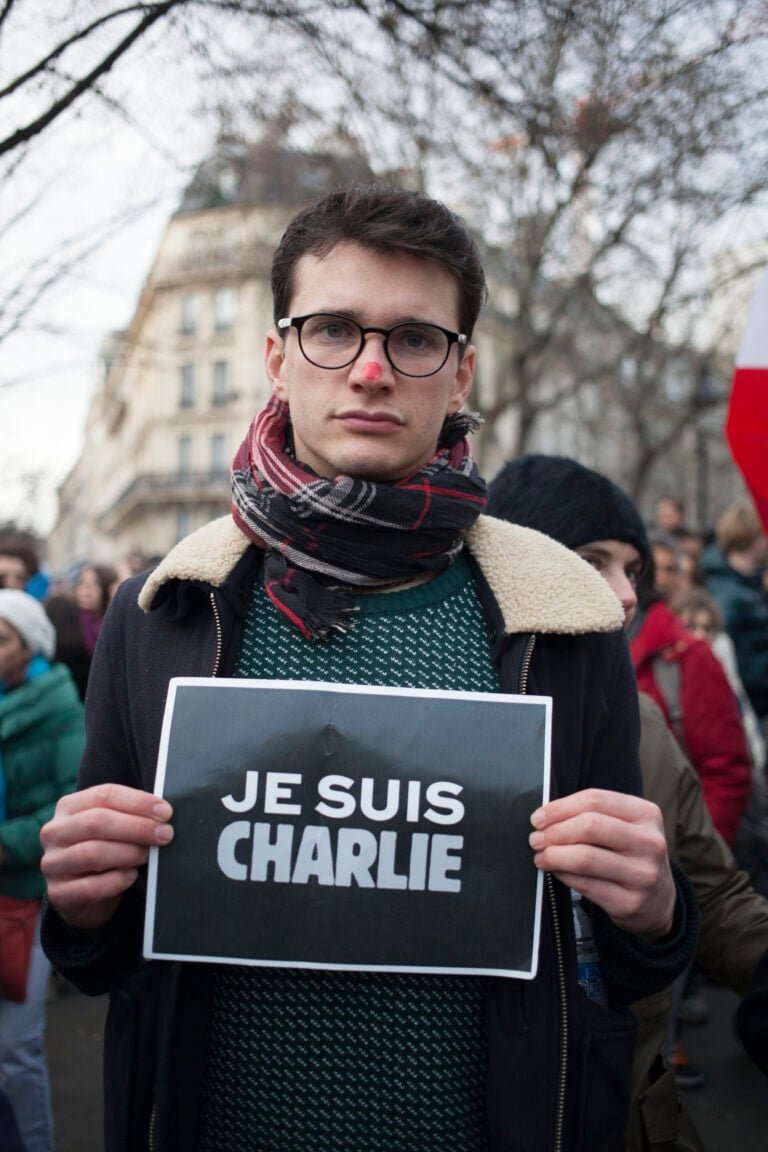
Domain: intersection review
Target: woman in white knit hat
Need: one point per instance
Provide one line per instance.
(41, 741)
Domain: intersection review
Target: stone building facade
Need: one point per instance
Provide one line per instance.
(180, 386)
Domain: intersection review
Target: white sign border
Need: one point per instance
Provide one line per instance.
(364, 689)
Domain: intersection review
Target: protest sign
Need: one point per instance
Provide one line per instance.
(335, 826)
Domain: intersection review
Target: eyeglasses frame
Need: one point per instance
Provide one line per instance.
(298, 323)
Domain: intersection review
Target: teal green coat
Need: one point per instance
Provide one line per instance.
(42, 736)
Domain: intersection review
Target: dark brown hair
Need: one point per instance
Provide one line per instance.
(106, 576)
(64, 614)
(386, 219)
(20, 550)
(694, 600)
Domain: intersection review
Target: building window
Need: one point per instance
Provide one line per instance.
(221, 391)
(224, 309)
(189, 313)
(228, 184)
(183, 523)
(187, 395)
(219, 462)
(185, 458)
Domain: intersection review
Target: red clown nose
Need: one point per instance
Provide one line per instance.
(371, 370)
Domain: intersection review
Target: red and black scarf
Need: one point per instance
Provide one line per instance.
(323, 536)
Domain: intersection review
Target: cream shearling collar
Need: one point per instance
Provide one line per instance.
(540, 586)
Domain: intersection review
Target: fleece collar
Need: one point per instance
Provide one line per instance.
(540, 586)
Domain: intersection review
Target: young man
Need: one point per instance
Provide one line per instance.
(356, 554)
(592, 516)
(733, 570)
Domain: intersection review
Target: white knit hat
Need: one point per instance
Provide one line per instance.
(28, 617)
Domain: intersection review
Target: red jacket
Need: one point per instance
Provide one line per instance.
(708, 714)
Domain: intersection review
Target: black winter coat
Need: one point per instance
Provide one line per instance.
(559, 1065)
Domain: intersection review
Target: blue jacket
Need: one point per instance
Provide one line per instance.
(745, 610)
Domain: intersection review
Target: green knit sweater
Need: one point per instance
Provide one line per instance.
(323, 1061)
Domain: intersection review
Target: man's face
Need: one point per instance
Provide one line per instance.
(667, 569)
(367, 420)
(620, 564)
(668, 515)
(13, 572)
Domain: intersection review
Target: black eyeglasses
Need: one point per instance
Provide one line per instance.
(331, 341)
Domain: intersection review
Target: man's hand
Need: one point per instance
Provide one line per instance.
(94, 845)
(611, 848)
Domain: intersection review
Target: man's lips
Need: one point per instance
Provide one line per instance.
(359, 420)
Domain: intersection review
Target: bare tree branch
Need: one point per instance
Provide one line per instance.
(155, 13)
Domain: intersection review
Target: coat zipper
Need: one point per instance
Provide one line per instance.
(152, 1120)
(219, 635)
(525, 666)
(560, 1108)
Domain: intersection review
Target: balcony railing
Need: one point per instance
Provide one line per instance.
(152, 488)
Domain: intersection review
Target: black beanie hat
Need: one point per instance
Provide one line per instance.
(566, 501)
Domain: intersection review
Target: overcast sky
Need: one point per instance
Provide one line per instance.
(95, 178)
(111, 171)
(98, 176)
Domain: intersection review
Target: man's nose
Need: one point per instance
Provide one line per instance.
(371, 365)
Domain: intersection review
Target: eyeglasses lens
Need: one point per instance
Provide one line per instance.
(335, 341)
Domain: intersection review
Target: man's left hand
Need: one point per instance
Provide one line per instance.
(611, 848)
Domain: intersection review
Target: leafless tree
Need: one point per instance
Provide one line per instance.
(84, 42)
(601, 151)
(598, 147)
(69, 60)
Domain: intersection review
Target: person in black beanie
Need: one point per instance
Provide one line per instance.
(591, 515)
(567, 501)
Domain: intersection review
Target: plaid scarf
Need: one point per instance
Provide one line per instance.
(321, 536)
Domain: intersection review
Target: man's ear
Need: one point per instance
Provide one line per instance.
(274, 362)
(462, 385)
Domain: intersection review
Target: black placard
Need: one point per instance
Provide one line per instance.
(322, 825)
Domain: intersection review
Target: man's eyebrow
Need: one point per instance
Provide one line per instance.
(356, 314)
(349, 313)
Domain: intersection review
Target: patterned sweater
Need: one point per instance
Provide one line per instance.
(345, 1061)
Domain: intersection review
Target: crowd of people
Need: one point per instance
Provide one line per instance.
(48, 633)
(361, 526)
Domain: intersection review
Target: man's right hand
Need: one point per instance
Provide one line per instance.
(94, 846)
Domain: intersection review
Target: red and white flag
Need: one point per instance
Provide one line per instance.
(746, 426)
